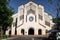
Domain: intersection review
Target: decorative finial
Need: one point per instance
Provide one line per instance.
(30, 4)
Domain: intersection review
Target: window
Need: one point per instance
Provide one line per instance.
(16, 27)
(21, 17)
(31, 18)
(16, 22)
(46, 31)
(40, 17)
(39, 32)
(9, 32)
(31, 11)
(22, 31)
(47, 23)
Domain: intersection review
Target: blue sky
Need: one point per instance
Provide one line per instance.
(49, 8)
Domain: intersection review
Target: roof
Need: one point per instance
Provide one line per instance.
(52, 30)
(36, 4)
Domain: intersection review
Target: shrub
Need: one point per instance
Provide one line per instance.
(3, 36)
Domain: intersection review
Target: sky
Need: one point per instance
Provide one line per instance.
(48, 6)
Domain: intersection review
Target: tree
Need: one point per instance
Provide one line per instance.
(56, 20)
(5, 15)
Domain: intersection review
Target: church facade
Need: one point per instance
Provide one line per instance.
(31, 19)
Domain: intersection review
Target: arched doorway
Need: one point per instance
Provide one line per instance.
(31, 31)
(22, 31)
(39, 32)
(9, 33)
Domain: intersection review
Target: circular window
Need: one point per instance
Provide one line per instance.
(31, 18)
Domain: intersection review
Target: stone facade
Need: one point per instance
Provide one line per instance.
(30, 20)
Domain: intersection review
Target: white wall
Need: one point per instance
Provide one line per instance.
(39, 24)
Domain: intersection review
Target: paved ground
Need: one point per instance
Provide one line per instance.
(31, 37)
(25, 38)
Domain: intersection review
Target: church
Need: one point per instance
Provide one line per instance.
(31, 19)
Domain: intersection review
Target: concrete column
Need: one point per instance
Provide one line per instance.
(13, 31)
(43, 31)
(26, 32)
(36, 32)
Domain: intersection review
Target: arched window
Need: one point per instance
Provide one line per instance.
(47, 23)
(40, 17)
(21, 17)
(16, 22)
(22, 31)
(31, 11)
(46, 31)
(10, 33)
(39, 32)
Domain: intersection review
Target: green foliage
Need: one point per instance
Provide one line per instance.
(3, 2)
(5, 15)
(3, 36)
(55, 20)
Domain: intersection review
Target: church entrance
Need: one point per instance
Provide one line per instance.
(31, 31)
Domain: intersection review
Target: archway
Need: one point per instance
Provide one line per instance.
(39, 32)
(22, 31)
(31, 31)
(9, 33)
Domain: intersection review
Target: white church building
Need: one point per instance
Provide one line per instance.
(31, 19)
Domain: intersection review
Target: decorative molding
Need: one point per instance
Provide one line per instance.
(30, 11)
(35, 18)
(42, 25)
(21, 24)
(23, 20)
(26, 18)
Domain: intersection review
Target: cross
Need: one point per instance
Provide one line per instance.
(30, 4)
